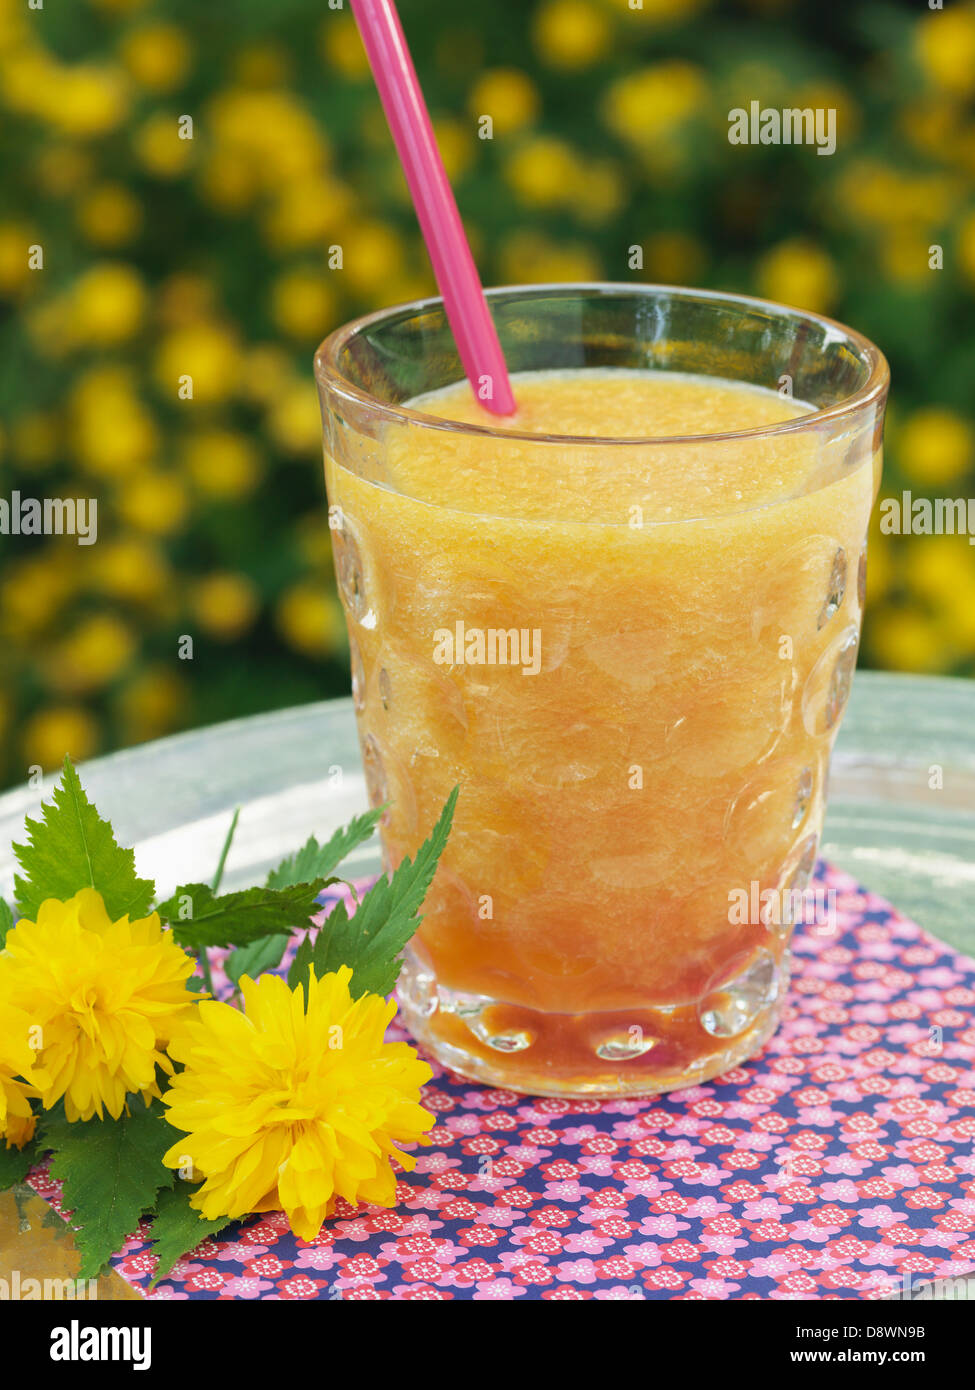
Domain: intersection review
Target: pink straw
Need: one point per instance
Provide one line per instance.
(436, 207)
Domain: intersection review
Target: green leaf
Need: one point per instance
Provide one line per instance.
(111, 1171)
(73, 848)
(371, 941)
(178, 1229)
(318, 861)
(263, 954)
(199, 919)
(15, 1164)
(6, 922)
(312, 861)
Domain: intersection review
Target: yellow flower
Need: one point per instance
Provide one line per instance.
(131, 569)
(160, 148)
(935, 446)
(571, 34)
(373, 254)
(15, 239)
(60, 729)
(542, 171)
(155, 503)
(92, 656)
(342, 47)
(16, 1063)
(529, 258)
(225, 605)
(109, 215)
(106, 997)
(157, 56)
(310, 620)
(508, 96)
(649, 106)
(113, 433)
(152, 704)
(205, 352)
(946, 49)
(222, 464)
(798, 273)
(106, 303)
(294, 420)
(302, 304)
(286, 1109)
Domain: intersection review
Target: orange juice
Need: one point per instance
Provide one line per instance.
(635, 671)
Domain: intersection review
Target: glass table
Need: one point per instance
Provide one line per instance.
(901, 819)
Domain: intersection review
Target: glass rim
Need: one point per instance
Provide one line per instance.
(328, 372)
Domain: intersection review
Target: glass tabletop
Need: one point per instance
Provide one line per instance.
(901, 799)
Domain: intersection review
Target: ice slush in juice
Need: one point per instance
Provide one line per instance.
(635, 673)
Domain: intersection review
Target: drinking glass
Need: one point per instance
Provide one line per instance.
(641, 797)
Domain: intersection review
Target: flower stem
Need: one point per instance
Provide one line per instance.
(202, 955)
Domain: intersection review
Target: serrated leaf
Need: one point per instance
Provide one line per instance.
(318, 861)
(199, 919)
(72, 848)
(6, 921)
(372, 939)
(263, 954)
(312, 861)
(15, 1164)
(111, 1171)
(178, 1228)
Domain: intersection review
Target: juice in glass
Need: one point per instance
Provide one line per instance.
(624, 621)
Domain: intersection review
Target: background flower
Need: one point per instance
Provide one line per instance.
(209, 256)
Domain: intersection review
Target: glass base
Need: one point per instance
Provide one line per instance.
(632, 1052)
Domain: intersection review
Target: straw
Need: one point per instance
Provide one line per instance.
(436, 207)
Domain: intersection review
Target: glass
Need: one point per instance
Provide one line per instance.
(639, 818)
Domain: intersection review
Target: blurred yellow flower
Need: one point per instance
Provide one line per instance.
(151, 704)
(106, 304)
(109, 215)
(342, 47)
(294, 419)
(15, 240)
(92, 656)
(571, 34)
(272, 130)
(184, 299)
(508, 96)
(373, 253)
(157, 56)
(598, 191)
(906, 639)
(207, 354)
(307, 212)
(225, 605)
(222, 464)
(941, 569)
(59, 729)
(648, 106)
(798, 273)
(81, 101)
(262, 64)
(904, 256)
(303, 305)
(153, 502)
(530, 258)
(541, 171)
(32, 594)
(946, 49)
(934, 445)
(160, 148)
(310, 620)
(131, 569)
(112, 431)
